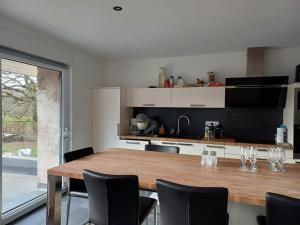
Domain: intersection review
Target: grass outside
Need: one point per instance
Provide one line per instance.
(14, 147)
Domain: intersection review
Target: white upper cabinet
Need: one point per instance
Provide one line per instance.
(199, 97)
(149, 97)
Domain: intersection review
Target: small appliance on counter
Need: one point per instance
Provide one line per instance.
(218, 132)
(213, 130)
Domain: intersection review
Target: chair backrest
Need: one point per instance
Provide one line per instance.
(75, 184)
(77, 154)
(282, 210)
(113, 199)
(162, 148)
(185, 205)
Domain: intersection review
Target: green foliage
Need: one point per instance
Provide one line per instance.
(14, 147)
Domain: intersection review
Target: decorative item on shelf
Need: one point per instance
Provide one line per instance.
(180, 82)
(211, 78)
(171, 82)
(200, 83)
(166, 85)
(162, 77)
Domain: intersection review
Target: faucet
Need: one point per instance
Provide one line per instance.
(178, 123)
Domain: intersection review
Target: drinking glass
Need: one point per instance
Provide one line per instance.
(244, 157)
(213, 160)
(281, 159)
(253, 159)
(204, 158)
(271, 157)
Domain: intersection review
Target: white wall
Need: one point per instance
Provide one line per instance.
(144, 72)
(86, 72)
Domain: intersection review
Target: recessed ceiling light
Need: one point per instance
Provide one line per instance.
(118, 8)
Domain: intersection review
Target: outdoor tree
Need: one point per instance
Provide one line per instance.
(19, 93)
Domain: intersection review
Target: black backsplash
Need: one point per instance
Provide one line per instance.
(249, 125)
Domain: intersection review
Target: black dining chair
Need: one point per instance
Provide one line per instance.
(76, 188)
(280, 210)
(115, 200)
(162, 148)
(186, 205)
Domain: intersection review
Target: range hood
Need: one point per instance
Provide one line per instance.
(256, 90)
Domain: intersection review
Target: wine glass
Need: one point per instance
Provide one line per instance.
(271, 158)
(244, 157)
(281, 159)
(253, 159)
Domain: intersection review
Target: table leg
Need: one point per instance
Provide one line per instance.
(54, 200)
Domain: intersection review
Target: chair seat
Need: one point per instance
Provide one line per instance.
(261, 220)
(146, 206)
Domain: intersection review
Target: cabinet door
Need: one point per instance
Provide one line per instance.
(219, 149)
(232, 152)
(105, 117)
(200, 97)
(190, 148)
(149, 97)
(133, 144)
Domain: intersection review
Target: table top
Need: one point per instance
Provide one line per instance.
(244, 187)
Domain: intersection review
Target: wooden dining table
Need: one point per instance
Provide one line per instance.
(244, 187)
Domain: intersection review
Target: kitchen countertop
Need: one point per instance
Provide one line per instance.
(224, 141)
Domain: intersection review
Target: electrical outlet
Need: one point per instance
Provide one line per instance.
(215, 123)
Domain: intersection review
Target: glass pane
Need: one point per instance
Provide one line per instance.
(31, 130)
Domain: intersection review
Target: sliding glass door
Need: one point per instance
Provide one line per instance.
(33, 126)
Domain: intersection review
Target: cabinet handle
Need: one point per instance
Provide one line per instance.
(262, 150)
(148, 104)
(133, 142)
(197, 105)
(215, 146)
(184, 144)
(168, 143)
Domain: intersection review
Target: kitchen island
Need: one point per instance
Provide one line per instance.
(246, 190)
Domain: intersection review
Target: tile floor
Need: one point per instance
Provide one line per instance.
(78, 214)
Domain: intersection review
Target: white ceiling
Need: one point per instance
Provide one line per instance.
(158, 28)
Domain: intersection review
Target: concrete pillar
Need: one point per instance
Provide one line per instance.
(48, 122)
